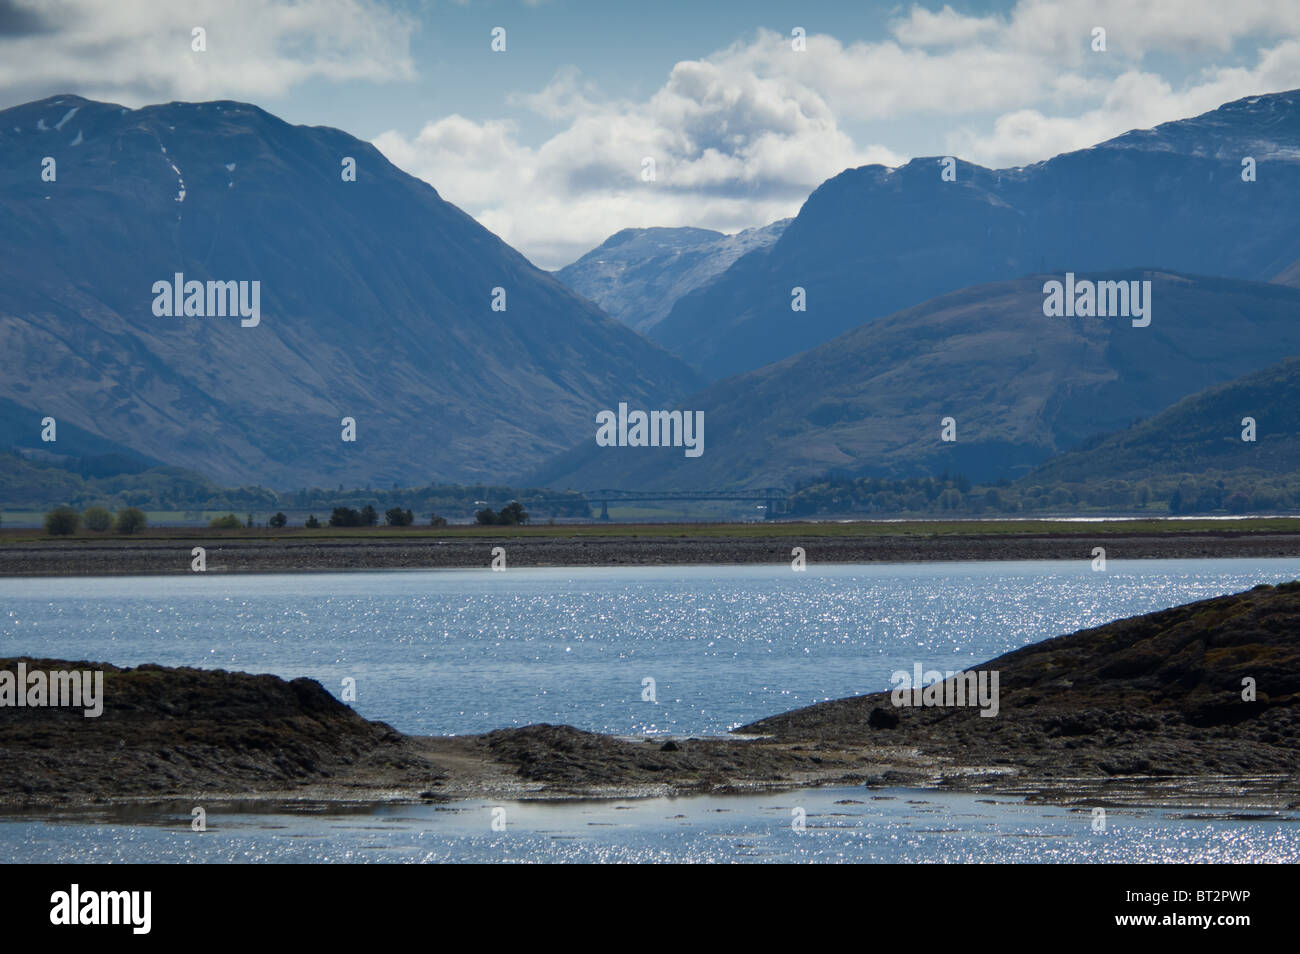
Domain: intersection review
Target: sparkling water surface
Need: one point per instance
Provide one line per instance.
(449, 652)
(461, 651)
(841, 824)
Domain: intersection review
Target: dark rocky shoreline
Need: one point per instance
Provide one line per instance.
(110, 557)
(1147, 709)
(1159, 695)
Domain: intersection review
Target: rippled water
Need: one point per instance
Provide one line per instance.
(459, 651)
(895, 825)
(452, 652)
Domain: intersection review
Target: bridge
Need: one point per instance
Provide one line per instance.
(772, 498)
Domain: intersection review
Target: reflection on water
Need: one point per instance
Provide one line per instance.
(453, 652)
(842, 825)
(460, 651)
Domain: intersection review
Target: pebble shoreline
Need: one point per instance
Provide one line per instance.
(110, 557)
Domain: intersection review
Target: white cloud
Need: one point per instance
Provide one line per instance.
(741, 137)
(872, 81)
(139, 51)
(732, 149)
(1132, 100)
(924, 27)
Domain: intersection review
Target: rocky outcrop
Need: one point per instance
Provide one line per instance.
(1157, 703)
(167, 732)
(1162, 694)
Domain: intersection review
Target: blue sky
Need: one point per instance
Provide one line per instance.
(545, 143)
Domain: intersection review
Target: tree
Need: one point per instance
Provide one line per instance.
(345, 517)
(437, 521)
(97, 519)
(131, 520)
(312, 523)
(278, 521)
(228, 522)
(950, 499)
(512, 513)
(62, 522)
(1211, 498)
(397, 517)
(368, 516)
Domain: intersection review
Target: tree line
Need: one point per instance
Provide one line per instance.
(1229, 492)
(64, 521)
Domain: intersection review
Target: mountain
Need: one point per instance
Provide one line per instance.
(874, 240)
(1021, 387)
(20, 427)
(1200, 433)
(638, 274)
(375, 303)
(27, 484)
(1289, 275)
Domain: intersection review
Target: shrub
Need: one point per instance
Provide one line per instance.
(62, 521)
(278, 521)
(97, 519)
(228, 522)
(312, 523)
(437, 521)
(131, 520)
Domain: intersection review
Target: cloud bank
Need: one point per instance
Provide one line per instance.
(738, 138)
(137, 52)
(741, 137)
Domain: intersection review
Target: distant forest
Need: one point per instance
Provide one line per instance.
(37, 485)
(1229, 492)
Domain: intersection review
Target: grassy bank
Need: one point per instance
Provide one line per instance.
(742, 531)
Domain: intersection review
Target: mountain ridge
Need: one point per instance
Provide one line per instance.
(1020, 387)
(1201, 432)
(376, 296)
(874, 240)
(638, 274)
